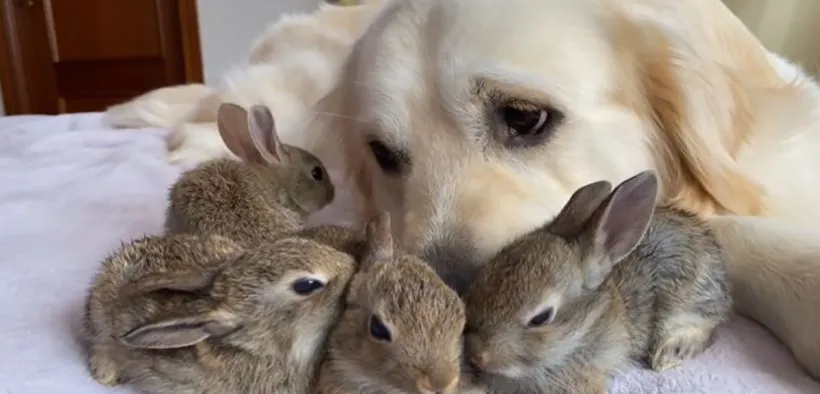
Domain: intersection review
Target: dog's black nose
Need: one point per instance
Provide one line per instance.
(453, 262)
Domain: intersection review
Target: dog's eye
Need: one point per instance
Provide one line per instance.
(542, 318)
(525, 124)
(378, 330)
(306, 286)
(389, 161)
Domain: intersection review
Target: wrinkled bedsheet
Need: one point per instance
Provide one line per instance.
(71, 191)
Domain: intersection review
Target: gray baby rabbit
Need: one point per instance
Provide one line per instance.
(566, 306)
(109, 311)
(272, 191)
(257, 324)
(401, 329)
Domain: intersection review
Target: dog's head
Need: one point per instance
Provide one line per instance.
(473, 121)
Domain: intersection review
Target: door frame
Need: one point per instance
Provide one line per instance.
(12, 77)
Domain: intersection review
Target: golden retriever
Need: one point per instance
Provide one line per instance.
(472, 121)
(478, 118)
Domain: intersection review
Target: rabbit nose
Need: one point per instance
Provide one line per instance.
(480, 360)
(437, 385)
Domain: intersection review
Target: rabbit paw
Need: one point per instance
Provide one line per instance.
(678, 347)
(104, 371)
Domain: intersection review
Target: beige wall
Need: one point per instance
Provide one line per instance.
(788, 27)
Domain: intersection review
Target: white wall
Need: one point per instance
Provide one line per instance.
(228, 27)
(788, 27)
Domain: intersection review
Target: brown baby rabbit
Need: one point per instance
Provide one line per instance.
(271, 192)
(401, 329)
(108, 308)
(566, 306)
(255, 325)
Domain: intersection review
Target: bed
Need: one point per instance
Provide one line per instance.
(71, 190)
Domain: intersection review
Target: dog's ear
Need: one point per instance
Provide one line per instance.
(702, 113)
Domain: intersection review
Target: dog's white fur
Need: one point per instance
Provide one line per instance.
(681, 87)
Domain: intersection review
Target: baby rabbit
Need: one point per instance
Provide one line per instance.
(401, 329)
(564, 307)
(271, 192)
(255, 325)
(109, 311)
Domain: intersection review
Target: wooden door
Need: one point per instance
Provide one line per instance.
(61, 56)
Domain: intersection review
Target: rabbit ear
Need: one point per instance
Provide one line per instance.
(354, 288)
(187, 281)
(581, 205)
(378, 241)
(181, 332)
(232, 122)
(262, 130)
(618, 225)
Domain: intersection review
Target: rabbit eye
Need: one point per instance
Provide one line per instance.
(307, 286)
(542, 318)
(378, 330)
(317, 173)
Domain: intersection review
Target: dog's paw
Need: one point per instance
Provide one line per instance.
(679, 346)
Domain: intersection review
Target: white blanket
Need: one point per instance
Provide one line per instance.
(71, 191)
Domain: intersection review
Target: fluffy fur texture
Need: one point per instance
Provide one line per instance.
(73, 190)
(162, 108)
(421, 318)
(603, 285)
(187, 314)
(107, 316)
(271, 191)
(681, 88)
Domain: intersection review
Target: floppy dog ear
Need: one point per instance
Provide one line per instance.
(702, 113)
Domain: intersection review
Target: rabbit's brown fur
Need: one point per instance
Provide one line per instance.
(423, 318)
(242, 328)
(270, 193)
(109, 314)
(344, 239)
(566, 306)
